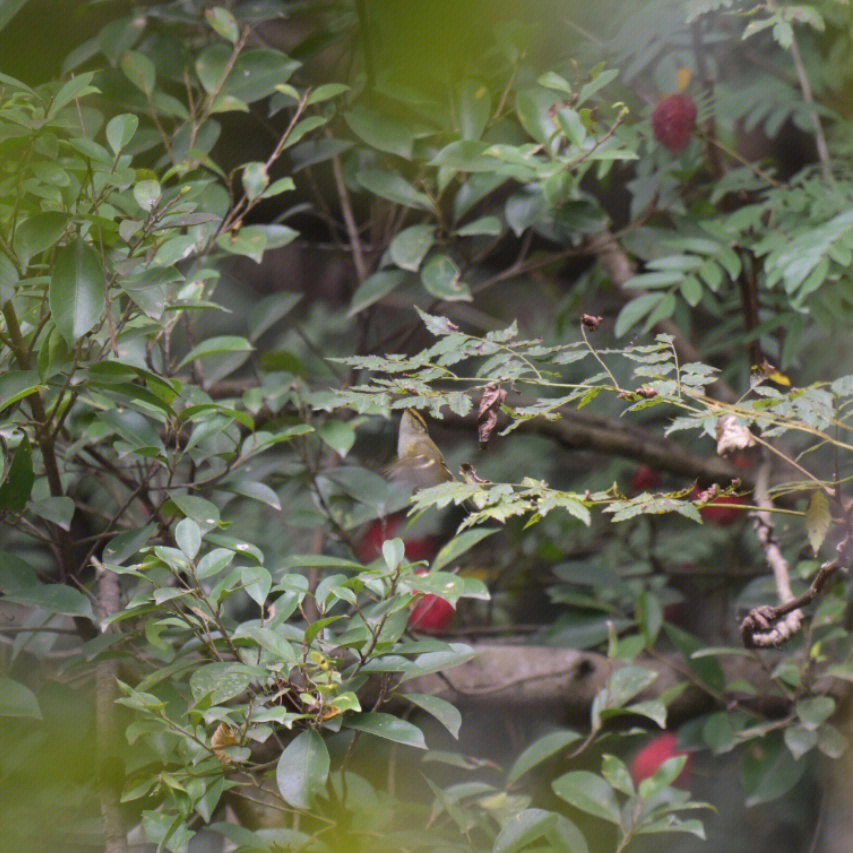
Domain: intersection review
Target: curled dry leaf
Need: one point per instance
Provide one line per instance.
(469, 475)
(487, 419)
(222, 738)
(732, 436)
(590, 321)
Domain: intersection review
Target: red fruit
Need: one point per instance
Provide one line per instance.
(420, 549)
(673, 122)
(431, 614)
(380, 529)
(654, 753)
(742, 461)
(645, 478)
(722, 510)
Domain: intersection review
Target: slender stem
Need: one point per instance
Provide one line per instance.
(361, 270)
(808, 97)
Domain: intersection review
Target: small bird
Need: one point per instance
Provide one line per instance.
(419, 463)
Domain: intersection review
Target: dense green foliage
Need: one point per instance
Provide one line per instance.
(194, 418)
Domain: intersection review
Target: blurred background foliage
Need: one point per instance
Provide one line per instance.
(221, 630)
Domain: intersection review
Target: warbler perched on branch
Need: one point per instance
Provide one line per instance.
(420, 464)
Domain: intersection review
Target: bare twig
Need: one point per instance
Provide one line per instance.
(108, 602)
(786, 624)
(349, 221)
(808, 97)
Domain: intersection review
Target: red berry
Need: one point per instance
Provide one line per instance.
(645, 478)
(431, 614)
(673, 121)
(379, 530)
(742, 461)
(654, 753)
(420, 549)
(722, 510)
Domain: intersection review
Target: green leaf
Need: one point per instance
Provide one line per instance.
(8, 10)
(456, 654)
(255, 179)
(16, 487)
(120, 130)
(188, 537)
(459, 545)
(691, 291)
(8, 280)
(76, 290)
(818, 520)
(203, 511)
(541, 750)
(410, 246)
(325, 92)
(255, 491)
(486, 225)
(217, 346)
(137, 430)
(815, 711)
(448, 586)
(222, 22)
(800, 740)
(440, 277)
(214, 562)
(393, 187)
(473, 108)
(830, 741)
(383, 132)
(589, 793)
(55, 598)
(16, 385)
(662, 311)
(387, 726)
(338, 435)
(147, 193)
(393, 551)
(769, 770)
(59, 510)
(533, 107)
(634, 311)
(254, 75)
(616, 773)
(139, 69)
(266, 313)
(76, 87)
(125, 545)
(443, 711)
(256, 581)
(15, 573)
(222, 681)
(303, 769)
(663, 777)
(16, 700)
(522, 829)
(249, 240)
(374, 288)
(282, 185)
(38, 233)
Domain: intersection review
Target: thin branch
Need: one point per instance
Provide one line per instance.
(349, 220)
(808, 97)
(762, 522)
